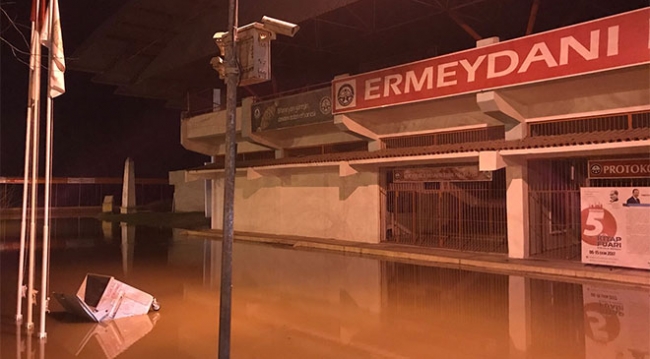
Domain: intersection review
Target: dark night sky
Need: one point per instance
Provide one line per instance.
(95, 130)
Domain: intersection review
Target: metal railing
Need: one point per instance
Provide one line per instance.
(591, 124)
(467, 216)
(86, 191)
(444, 138)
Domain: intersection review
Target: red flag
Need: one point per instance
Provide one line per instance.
(51, 38)
(41, 8)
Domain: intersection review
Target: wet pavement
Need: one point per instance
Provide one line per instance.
(291, 303)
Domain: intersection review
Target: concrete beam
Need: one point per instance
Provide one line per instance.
(344, 123)
(490, 161)
(494, 105)
(497, 107)
(346, 170)
(252, 174)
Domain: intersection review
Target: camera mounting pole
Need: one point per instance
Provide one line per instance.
(232, 81)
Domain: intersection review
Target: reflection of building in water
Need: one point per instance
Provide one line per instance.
(469, 310)
(368, 308)
(556, 320)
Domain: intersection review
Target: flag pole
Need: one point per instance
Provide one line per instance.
(23, 222)
(45, 268)
(34, 183)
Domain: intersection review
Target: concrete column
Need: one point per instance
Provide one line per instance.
(519, 320)
(517, 208)
(128, 187)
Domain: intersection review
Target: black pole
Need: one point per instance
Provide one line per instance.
(232, 81)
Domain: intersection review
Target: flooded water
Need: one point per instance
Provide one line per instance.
(291, 303)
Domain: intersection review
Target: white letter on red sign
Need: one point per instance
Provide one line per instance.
(390, 83)
(471, 69)
(514, 61)
(571, 42)
(544, 55)
(442, 74)
(612, 40)
(411, 80)
(370, 87)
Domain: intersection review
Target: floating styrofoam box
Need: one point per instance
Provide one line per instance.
(102, 298)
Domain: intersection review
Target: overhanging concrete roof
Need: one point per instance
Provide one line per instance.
(161, 48)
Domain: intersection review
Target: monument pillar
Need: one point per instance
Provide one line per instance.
(128, 188)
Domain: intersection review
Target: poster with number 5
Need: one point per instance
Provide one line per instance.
(615, 226)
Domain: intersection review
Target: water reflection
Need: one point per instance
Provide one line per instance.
(116, 336)
(307, 304)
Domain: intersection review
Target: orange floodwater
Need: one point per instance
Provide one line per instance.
(290, 303)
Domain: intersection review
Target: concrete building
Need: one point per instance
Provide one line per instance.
(484, 149)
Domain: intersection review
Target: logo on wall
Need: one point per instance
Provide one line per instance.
(596, 169)
(326, 105)
(346, 94)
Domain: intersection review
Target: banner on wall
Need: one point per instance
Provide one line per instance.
(615, 226)
(301, 109)
(617, 322)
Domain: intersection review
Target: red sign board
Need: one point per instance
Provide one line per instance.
(604, 44)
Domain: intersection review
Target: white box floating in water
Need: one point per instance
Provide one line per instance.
(102, 298)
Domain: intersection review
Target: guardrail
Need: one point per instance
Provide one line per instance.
(85, 191)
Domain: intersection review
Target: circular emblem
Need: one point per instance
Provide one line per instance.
(345, 95)
(326, 105)
(257, 113)
(597, 223)
(596, 169)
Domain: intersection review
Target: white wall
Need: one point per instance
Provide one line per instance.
(188, 196)
(313, 202)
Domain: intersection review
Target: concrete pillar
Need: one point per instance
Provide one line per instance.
(517, 208)
(519, 316)
(128, 188)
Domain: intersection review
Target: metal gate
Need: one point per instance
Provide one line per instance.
(554, 205)
(554, 200)
(467, 216)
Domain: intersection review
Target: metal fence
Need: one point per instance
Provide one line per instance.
(467, 216)
(85, 192)
(591, 124)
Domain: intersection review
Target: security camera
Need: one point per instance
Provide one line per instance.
(220, 36)
(279, 26)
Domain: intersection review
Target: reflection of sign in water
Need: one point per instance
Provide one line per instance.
(614, 227)
(301, 109)
(441, 174)
(617, 322)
